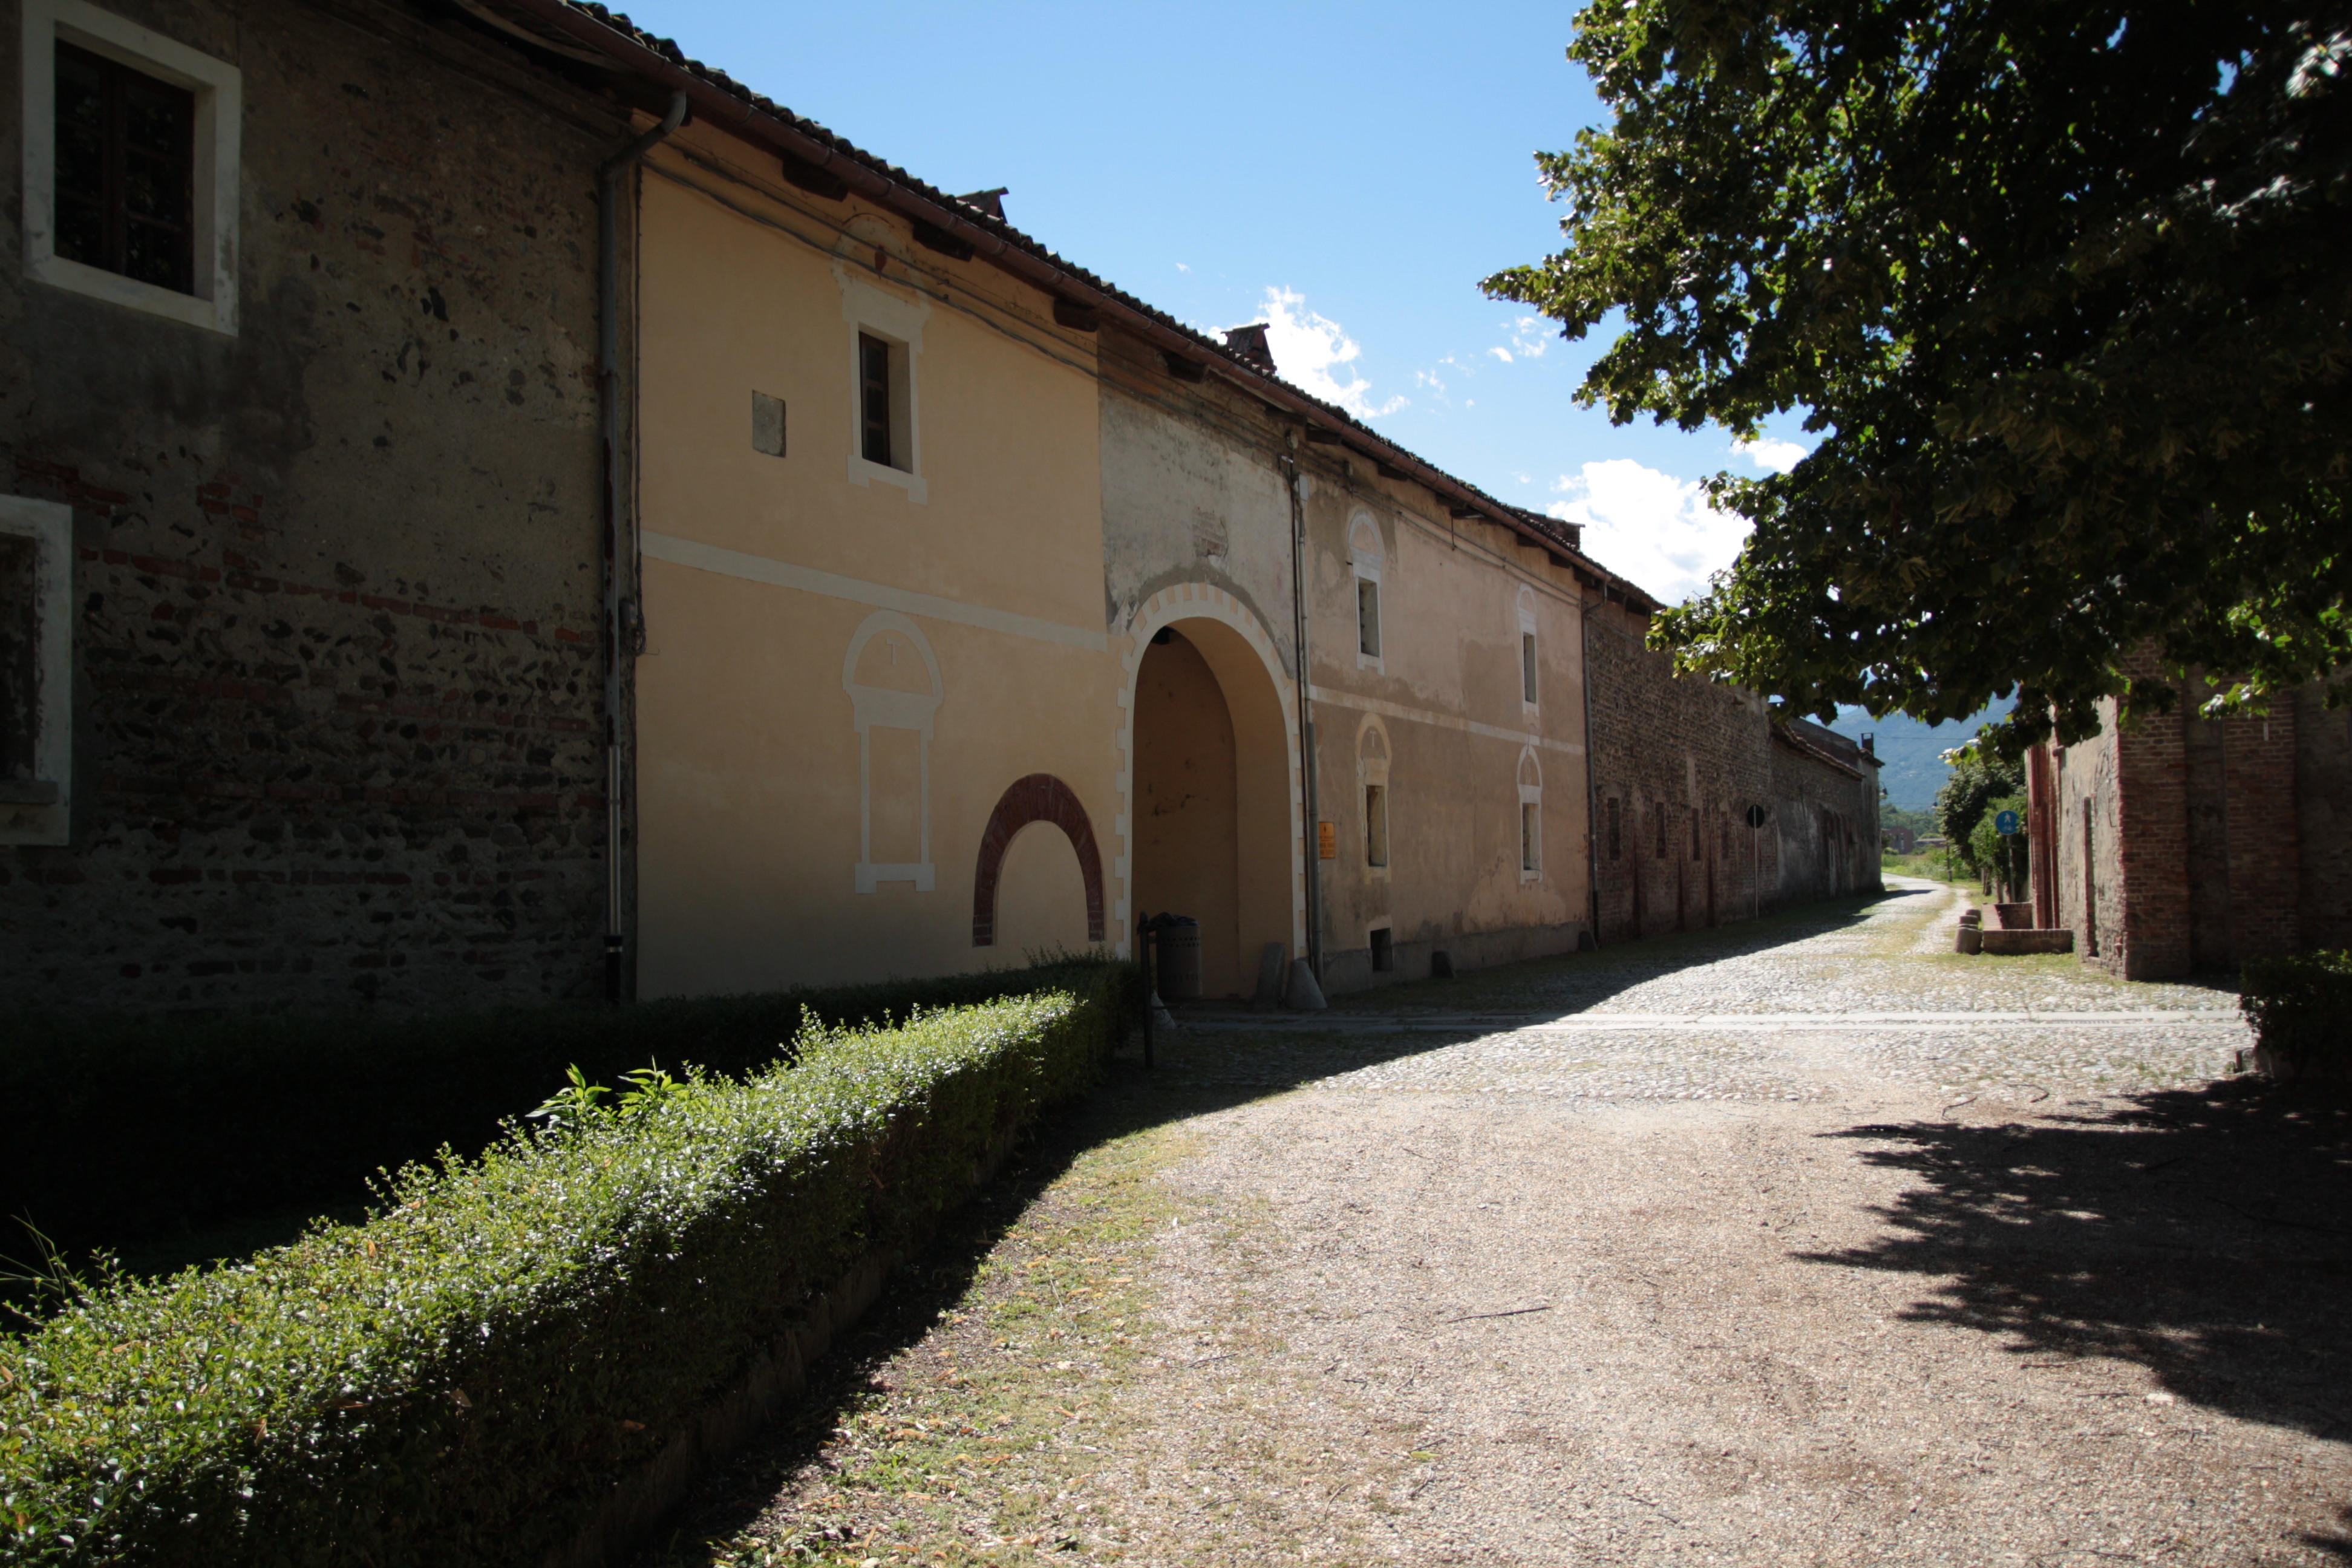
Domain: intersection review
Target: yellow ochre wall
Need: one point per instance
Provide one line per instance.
(760, 570)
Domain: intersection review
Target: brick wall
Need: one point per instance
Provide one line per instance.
(2087, 859)
(337, 594)
(2187, 843)
(2323, 794)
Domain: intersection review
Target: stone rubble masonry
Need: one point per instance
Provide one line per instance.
(2187, 842)
(339, 709)
(1679, 763)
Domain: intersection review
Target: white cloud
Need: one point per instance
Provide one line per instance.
(1779, 457)
(1181, 268)
(1530, 335)
(1312, 351)
(1503, 354)
(1653, 528)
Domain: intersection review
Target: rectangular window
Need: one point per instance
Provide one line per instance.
(1528, 666)
(1616, 843)
(1530, 830)
(1368, 617)
(36, 671)
(125, 172)
(873, 397)
(20, 659)
(1376, 825)
(131, 149)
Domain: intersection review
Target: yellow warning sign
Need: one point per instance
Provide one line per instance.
(1327, 839)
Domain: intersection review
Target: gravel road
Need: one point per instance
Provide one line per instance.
(1808, 1242)
(1841, 1249)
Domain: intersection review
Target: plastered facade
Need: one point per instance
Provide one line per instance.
(847, 665)
(1199, 522)
(335, 554)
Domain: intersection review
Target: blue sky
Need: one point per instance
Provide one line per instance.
(1347, 172)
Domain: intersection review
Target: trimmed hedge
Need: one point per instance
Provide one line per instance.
(2301, 1010)
(151, 1128)
(464, 1378)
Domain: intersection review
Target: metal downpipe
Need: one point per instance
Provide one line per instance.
(621, 619)
(1312, 843)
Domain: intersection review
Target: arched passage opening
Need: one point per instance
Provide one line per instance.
(1211, 797)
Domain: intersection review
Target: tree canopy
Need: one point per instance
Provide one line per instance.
(2067, 291)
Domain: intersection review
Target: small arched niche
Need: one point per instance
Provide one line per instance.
(1012, 858)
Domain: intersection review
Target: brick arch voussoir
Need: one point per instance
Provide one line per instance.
(1040, 797)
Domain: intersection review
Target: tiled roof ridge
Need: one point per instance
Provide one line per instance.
(583, 21)
(1805, 736)
(1571, 543)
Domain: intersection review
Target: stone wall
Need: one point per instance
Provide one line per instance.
(1825, 809)
(337, 586)
(1677, 766)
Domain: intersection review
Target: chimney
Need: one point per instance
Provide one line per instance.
(1250, 343)
(990, 202)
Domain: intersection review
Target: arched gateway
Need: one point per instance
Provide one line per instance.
(1214, 826)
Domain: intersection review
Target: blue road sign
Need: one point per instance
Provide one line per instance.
(2006, 824)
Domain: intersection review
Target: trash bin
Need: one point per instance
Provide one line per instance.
(1177, 938)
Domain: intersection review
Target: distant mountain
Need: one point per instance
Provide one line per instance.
(1913, 751)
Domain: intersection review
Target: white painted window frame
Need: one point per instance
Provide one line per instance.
(877, 707)
(1367, 564)
(1373, 774)
(219, 128)
(877, 313)
(1530, 658)
(50, 525)
(1530, 794)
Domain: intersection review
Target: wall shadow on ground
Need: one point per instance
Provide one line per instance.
(2205, 1235)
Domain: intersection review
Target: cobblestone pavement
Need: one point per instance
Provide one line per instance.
(1864, 993)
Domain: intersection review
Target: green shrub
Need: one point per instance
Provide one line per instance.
(2301, 1010)
(464, 1377)
(148, 1129)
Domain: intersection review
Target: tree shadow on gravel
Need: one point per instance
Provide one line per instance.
(2203, 1234)
(1198, 1072)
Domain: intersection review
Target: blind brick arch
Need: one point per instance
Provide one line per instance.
(1040, 797)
